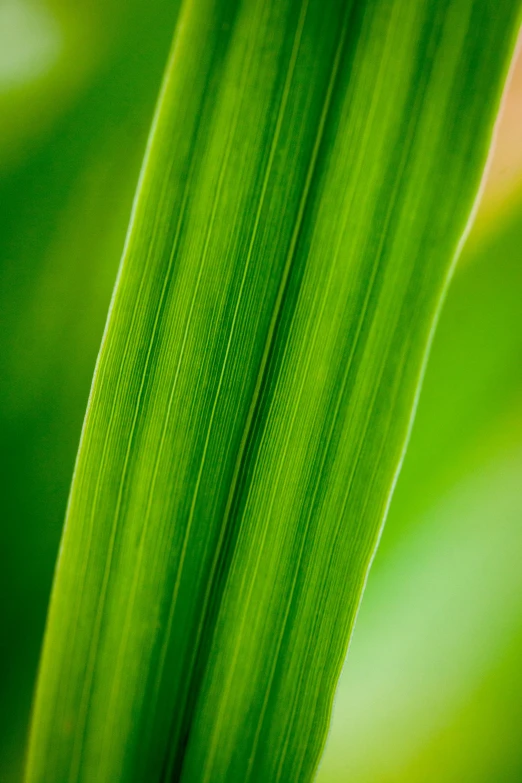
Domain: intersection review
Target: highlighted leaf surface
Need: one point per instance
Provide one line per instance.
(311, 169)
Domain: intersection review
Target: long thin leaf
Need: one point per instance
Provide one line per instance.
(310, 172)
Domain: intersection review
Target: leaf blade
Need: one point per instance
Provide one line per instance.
(256, 169)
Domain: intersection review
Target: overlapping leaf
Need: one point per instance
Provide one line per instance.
(310, 172)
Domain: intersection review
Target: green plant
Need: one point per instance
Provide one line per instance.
(309, 176)
(432, 675)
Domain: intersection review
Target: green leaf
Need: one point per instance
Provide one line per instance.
(65, 209)
(311, 169)
(432, 678)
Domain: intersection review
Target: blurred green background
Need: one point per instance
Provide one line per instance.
(432, 688)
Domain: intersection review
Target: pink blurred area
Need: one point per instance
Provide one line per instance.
(504, 178)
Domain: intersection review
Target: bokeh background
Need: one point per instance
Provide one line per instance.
(432, 687)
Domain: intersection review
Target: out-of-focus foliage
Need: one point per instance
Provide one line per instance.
(433, 686)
